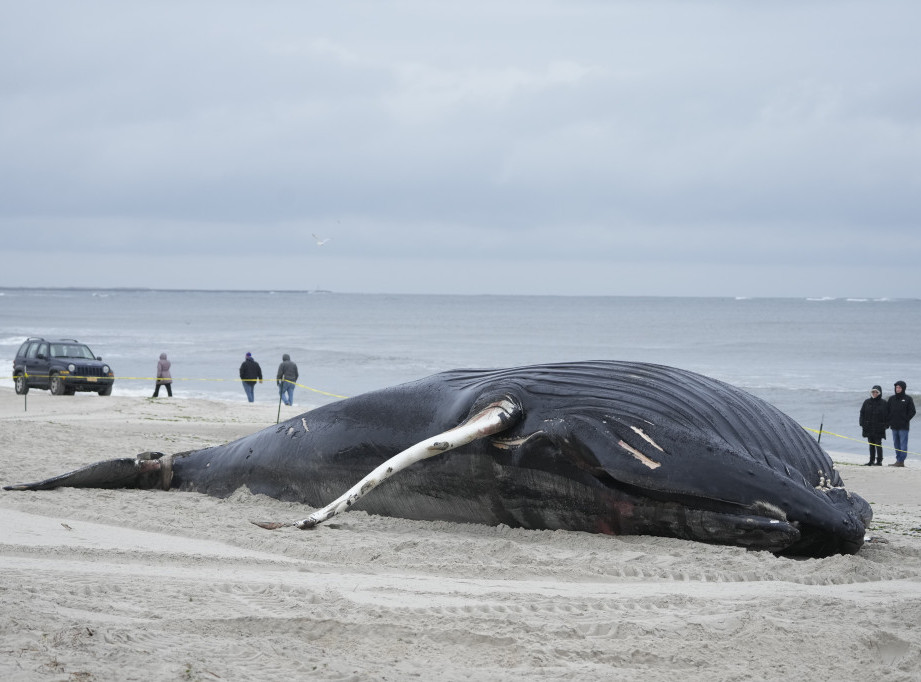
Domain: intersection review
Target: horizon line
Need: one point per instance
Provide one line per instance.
(736, 297)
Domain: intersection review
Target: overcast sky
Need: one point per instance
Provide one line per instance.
(718, 148)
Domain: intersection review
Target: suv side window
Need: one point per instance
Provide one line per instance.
(43, 349)
(33, 350)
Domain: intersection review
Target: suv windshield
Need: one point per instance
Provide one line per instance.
(71, 350)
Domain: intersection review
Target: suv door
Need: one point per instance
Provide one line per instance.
(38, 363)
(21, 363)
(27, 360)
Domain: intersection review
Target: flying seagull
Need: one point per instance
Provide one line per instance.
(320, 242)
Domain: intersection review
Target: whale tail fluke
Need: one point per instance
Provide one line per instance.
(146, 470)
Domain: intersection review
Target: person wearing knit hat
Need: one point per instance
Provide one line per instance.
(874, 418)
(250, 372)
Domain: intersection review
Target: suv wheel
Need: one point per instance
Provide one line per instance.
(22, 386)
(57, 385)
(106, 391)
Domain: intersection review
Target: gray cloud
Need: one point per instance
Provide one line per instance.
(712, 148)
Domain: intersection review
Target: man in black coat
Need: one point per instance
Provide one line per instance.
(874, 419)
(250, 373)
(901, 410)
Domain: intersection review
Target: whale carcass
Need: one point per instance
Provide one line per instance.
(602, 446)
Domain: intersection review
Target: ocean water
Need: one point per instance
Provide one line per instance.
(815, 359)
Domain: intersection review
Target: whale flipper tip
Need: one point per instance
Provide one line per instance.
(270, 525)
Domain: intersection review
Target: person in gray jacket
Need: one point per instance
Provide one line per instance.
(285, 378)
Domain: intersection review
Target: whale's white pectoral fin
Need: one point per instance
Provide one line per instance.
(492, 419)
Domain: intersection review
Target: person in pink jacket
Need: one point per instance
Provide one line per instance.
(164, 378)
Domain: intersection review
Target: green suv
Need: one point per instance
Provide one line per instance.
(63, 366)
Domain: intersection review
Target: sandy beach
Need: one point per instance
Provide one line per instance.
(152, 585)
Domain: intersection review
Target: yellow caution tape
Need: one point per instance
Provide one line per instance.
(856, 440)
(77, 376)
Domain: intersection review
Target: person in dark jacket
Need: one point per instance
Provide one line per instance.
(285, 378)
(250, 373)
(874, 419)
(901, 410)
(164, 378)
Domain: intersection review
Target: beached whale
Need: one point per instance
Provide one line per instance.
(604, 447)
